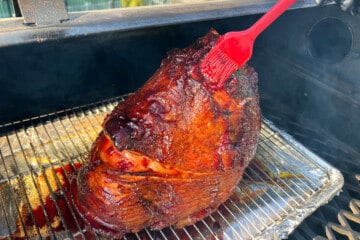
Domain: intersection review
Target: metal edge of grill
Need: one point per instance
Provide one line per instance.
(284, 184)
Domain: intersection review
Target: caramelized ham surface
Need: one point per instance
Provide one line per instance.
(173, 151)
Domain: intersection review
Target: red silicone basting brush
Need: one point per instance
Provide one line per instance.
(234, 49)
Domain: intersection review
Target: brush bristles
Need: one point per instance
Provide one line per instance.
(217, 67)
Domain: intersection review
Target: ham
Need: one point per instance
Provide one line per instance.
(173, 151)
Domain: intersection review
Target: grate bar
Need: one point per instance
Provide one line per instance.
(277, 213)
(293, 174)
(148, 233)
(209, 229)
(21, 220)
(173, 232)
(225, 234)
(71, 138)
(233, 216)
(187, 233)
(52, 194)
(76, 131)
(251, 223)
(22, 188)
(230, 226)
(259, 170)
(66, 175)
(283, 182)
(6, 217)
(278, 204)
(287, 150)
(137, 236)
(296, 176)
(57, 181)
(198, 231)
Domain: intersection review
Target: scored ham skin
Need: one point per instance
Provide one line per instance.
(173, 151)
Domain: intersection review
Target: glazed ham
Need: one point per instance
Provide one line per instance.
(173, 151)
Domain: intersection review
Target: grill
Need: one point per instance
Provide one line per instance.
(284, 184)
(55, 80)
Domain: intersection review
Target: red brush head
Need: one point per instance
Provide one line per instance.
(230, 52)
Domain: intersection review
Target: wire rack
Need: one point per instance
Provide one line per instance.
(39, 156)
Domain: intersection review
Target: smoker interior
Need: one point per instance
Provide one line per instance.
(307, 65)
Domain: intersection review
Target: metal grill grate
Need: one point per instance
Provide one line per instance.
(284, 184)
(344, 218)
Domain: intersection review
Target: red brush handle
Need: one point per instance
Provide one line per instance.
(279, 8)
(239, 45)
